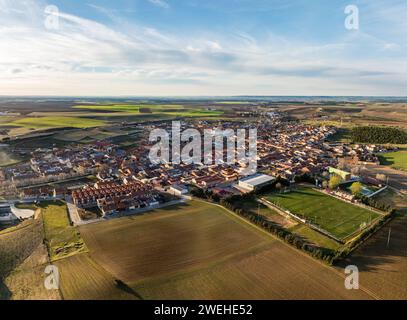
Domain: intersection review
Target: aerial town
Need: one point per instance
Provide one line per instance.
(214, 151)
(126, 180)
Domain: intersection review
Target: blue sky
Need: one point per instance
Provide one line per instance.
(194, 47)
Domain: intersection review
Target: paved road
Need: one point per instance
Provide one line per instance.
(22, 213)
(73, 212)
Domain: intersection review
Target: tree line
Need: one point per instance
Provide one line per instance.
(383, 135)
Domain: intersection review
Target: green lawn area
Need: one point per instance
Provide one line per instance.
(397, 160)
(61, 238)
(339, 218)
(57, 122)
(315, 237)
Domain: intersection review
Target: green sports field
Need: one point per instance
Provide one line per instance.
(339, 218)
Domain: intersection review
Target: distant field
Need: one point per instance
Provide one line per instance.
(57, 122)
(132, 107)
(169, 110)
(335, 216)
(62, 239)
(345, 116)
(396, 160)
(79, 135)
(99, 115)
(233, 102)
(200, 251)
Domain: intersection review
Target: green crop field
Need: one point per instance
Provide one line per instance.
(57, 122)
(62, 239)
(339, 218)
(163, 110)
(201, 251)
(396, 160)
(131, 107)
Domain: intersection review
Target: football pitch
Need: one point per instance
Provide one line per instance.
(339, 218)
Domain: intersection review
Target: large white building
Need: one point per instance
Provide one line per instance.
(256, 181)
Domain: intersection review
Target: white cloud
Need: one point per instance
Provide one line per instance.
(160, 3)
(86, 57)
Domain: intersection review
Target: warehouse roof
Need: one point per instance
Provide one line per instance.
(257, 179)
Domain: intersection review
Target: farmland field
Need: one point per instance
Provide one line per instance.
(57, 122)
(335, 216)
(201, 251)
(185, 236)
(16, 245)
(130, 107)
(396, 160)
(382, 265)
(26, 282)
(170, 109)
(82, 278)
(62, 239)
